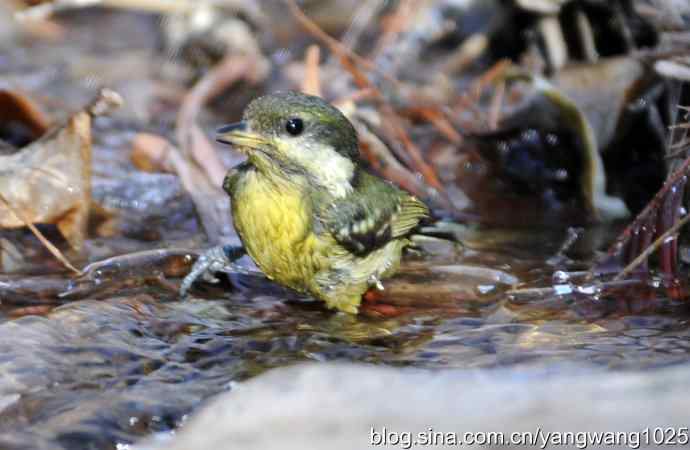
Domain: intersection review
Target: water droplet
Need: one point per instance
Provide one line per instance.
(587, 290)
(560, 276)
(530, 135)
(563, 289)
(282, 56)
(669, 239)
(232, 385)
(561, 175)
(486, 288)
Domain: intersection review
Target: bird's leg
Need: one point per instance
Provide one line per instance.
(213, 260)
(372, 295)
(375, 282)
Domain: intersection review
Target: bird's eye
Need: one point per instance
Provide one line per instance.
(294, 126)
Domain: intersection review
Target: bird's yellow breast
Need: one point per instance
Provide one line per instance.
(274, 222)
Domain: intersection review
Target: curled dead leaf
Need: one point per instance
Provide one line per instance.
(21, 120)
(49, 180)
(150, 153)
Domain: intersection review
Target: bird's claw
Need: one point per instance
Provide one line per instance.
(216, 259)
(375, 283)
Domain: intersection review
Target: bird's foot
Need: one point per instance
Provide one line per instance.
(213, 260)
(372, 296)
(374, 305)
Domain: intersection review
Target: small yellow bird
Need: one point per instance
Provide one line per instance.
(307, 213)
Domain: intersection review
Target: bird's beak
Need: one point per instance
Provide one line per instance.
(236, 134)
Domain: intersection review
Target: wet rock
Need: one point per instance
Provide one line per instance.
(147, 205)
(336, 406)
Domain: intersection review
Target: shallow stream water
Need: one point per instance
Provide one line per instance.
(103, 373)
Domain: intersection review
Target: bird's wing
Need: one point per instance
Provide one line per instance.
(372, 215)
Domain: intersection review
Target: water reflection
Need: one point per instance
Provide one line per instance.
(98, 373)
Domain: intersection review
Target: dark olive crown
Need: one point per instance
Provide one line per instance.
(289, 114)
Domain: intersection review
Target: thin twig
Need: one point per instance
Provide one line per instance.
(436, 117)
(468, 100)
(312, 79)
(413, 158)
(414, 154)
(350, 60)
(361, 20)
(333, 44)
(396, 23)
(494, 73)
(49, 245)
(192, 140)
(496, 103)
(642, 257)
(642, 217)
(551, 291)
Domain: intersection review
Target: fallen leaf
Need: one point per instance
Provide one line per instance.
(49, 180)
(21, 120)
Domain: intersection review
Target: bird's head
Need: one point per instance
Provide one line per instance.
(297, 136)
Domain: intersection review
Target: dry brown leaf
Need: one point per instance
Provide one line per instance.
(16, 107)
(49, 180)
(150, 153)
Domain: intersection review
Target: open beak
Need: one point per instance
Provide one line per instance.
(236, 134)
